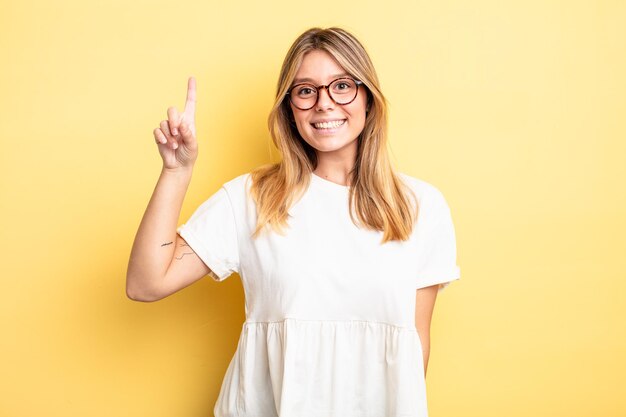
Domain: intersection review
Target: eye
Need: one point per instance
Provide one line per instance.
(305, 91)
(343, 86)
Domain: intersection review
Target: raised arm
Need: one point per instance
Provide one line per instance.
(157, 245)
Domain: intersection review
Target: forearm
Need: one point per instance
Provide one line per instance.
(424, 305)
(425, 339)
(426, 356)
(153, 247)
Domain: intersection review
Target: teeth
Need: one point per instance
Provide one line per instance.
(329, 125)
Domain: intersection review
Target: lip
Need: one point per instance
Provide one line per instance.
(326, 120)
(330, 131)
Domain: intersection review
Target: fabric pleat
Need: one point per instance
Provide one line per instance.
(324, 368)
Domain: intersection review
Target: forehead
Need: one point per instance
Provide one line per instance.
(319, 67)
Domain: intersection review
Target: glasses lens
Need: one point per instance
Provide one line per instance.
(343, 90)
(303, 96)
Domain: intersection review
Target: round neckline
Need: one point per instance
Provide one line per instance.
(328, 183)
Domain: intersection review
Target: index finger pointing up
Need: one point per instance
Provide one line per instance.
(190, 104)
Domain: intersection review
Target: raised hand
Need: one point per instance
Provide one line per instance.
(176, 136)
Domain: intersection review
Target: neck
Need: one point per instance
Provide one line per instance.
(334, 168)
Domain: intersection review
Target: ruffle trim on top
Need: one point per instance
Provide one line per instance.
(324, 368)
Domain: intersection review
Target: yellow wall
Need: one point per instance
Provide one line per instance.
(515, 110)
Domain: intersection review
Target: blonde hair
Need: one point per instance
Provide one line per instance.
(378, 197)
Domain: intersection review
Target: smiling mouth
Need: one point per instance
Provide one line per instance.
(328, 125)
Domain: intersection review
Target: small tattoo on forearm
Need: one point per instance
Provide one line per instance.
(186, 253)
(165, 244)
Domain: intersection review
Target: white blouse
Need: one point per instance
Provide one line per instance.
(330, 312)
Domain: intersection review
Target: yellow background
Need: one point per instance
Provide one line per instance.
(514, 110)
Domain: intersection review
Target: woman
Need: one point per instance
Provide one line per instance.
(341, 257)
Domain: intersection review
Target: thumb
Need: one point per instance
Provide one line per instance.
(185, 130)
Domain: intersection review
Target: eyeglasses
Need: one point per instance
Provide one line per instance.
(341, 91)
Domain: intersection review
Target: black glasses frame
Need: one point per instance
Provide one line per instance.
(320, 87)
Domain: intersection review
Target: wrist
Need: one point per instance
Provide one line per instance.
(180, 172)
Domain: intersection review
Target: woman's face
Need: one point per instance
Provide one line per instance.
(346, 121)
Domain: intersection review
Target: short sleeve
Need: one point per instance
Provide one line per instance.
(211, 232)
(438, 262)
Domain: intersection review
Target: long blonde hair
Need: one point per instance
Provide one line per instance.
(378, 196)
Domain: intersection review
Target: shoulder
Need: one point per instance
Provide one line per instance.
(431, 201)
(240, 182)
(237, 190)
(424, 191)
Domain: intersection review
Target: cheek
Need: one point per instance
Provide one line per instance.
(305, 130)
(357, 109)
(298, 119)
(358, 116)
(302, 126)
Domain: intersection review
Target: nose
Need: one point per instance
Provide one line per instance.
(323, 99)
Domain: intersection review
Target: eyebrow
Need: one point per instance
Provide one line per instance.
(310, 80)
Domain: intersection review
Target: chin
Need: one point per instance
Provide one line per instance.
(330, 144)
